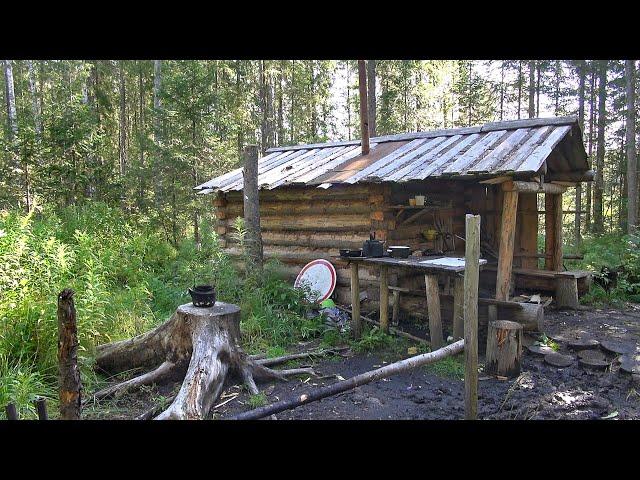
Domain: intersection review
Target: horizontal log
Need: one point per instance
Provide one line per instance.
(295, 194)
(324, 207)
(532, 187)
(580, 176)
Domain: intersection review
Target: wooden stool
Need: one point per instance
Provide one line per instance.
(396, 303)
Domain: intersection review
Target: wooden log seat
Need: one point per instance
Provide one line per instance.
(547, 280)
(567, 287)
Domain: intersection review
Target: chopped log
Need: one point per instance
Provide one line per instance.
(204, 342)
(591, 354)
(582, 343)
(530, 316)
(70, 384)
(504, 348)
(559, 360)
(616, 346)
(541, 350)
(470, 313)
(433, 309)
(351, 383)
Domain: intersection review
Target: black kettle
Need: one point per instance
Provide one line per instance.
(372, 247)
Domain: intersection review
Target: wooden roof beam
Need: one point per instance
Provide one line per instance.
(532, 187)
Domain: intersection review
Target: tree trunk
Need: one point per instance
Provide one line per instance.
(504, 349)
(35, 107)
(252, 206)
(204, 343)
(122, 139)
(371, 96)
(598, 220)
(12, 115)
(632, 166)
(592, 120)
(70, 385)
(532, 89)
(157, 132)
(577, 219)
(264, 129)
(519, 88)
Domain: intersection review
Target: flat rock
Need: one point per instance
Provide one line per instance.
(559, 360)
(593, 363)
(592, 355)
(630, 363)
(582, 343)
(616, 346)
(540, 349)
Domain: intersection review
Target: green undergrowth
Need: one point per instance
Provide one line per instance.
(127, 279)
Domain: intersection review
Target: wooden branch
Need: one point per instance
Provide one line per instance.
(351, 383)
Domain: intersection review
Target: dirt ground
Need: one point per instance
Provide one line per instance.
(541, 391)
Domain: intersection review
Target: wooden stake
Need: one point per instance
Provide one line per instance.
(69, 381)
(41, 408)
(433, 309)
(471, 280)
(11, 411)
(384, 299)
(507, 237)
(356, 321)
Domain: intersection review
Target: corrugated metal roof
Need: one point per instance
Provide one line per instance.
(498, 148)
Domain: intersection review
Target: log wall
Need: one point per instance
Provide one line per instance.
(300, 224)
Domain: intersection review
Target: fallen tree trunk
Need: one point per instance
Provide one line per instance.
(351, 383)
(204, 343)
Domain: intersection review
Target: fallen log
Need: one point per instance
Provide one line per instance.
(204, 343)
(353, 382)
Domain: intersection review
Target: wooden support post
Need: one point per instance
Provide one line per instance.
(252, 206)
(458, 307)
(384, 299)
(41, 408)
(356, 321)
(11, 411)
(507, 237)
(433, 309)
(68, 372)
(557, 232)
(396, 308)
(471, 280)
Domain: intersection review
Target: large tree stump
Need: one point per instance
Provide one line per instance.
(504, 348)
(201, 344)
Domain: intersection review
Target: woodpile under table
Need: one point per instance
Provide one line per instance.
(431, 267)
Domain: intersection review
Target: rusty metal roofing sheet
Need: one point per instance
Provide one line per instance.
(519, 147)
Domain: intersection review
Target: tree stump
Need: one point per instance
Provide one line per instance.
(504, 348)
(566, 291)
(201, 344)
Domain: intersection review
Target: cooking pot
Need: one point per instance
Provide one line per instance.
(398, 251)
(372, 247)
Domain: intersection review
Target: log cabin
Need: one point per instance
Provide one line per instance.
(318, 198)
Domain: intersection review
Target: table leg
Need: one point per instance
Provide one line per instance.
(384, 299)
(356, 321)
(433, 309)
(458, 307)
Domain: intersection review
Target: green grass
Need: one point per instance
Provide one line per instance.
(257, 400)
(449, 367)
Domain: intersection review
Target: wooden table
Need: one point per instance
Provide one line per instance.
(431, 267)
